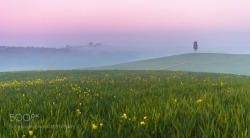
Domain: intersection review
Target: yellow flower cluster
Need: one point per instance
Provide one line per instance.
(94, 126)
(124, 116)
(57, 80)
(144, 119)
(38, 81)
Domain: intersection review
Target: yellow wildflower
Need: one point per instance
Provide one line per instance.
(94, 126)
(199, 101)
(30, 132)
(124, 116)
(142, 123)
(101, 124)
(145, 117)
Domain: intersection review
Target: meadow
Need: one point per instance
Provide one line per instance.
(57, 104)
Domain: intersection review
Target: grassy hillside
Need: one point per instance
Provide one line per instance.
(200, 62)
(53, 104)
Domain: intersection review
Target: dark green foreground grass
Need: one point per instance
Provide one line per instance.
(123, 104)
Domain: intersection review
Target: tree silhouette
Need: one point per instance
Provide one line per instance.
(195, 46)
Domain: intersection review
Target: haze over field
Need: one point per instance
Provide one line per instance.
(147, 27)
(70, 57)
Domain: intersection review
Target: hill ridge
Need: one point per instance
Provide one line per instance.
(194, 62)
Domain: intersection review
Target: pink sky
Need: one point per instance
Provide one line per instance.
(36, 16)
(127, 23)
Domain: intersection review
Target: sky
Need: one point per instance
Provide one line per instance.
(217, 25)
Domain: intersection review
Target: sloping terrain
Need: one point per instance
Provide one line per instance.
(199, 62)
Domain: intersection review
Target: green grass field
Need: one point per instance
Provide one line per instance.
(199, 62)
(57, 104)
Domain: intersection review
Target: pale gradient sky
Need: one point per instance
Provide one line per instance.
(131, 23)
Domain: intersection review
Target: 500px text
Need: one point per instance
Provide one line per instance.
(23, 117)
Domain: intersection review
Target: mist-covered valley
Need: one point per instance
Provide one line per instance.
(68, 57)
(103, 56)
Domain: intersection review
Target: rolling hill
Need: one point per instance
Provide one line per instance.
(199, 62)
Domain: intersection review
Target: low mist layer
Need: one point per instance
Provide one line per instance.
(70, 57)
